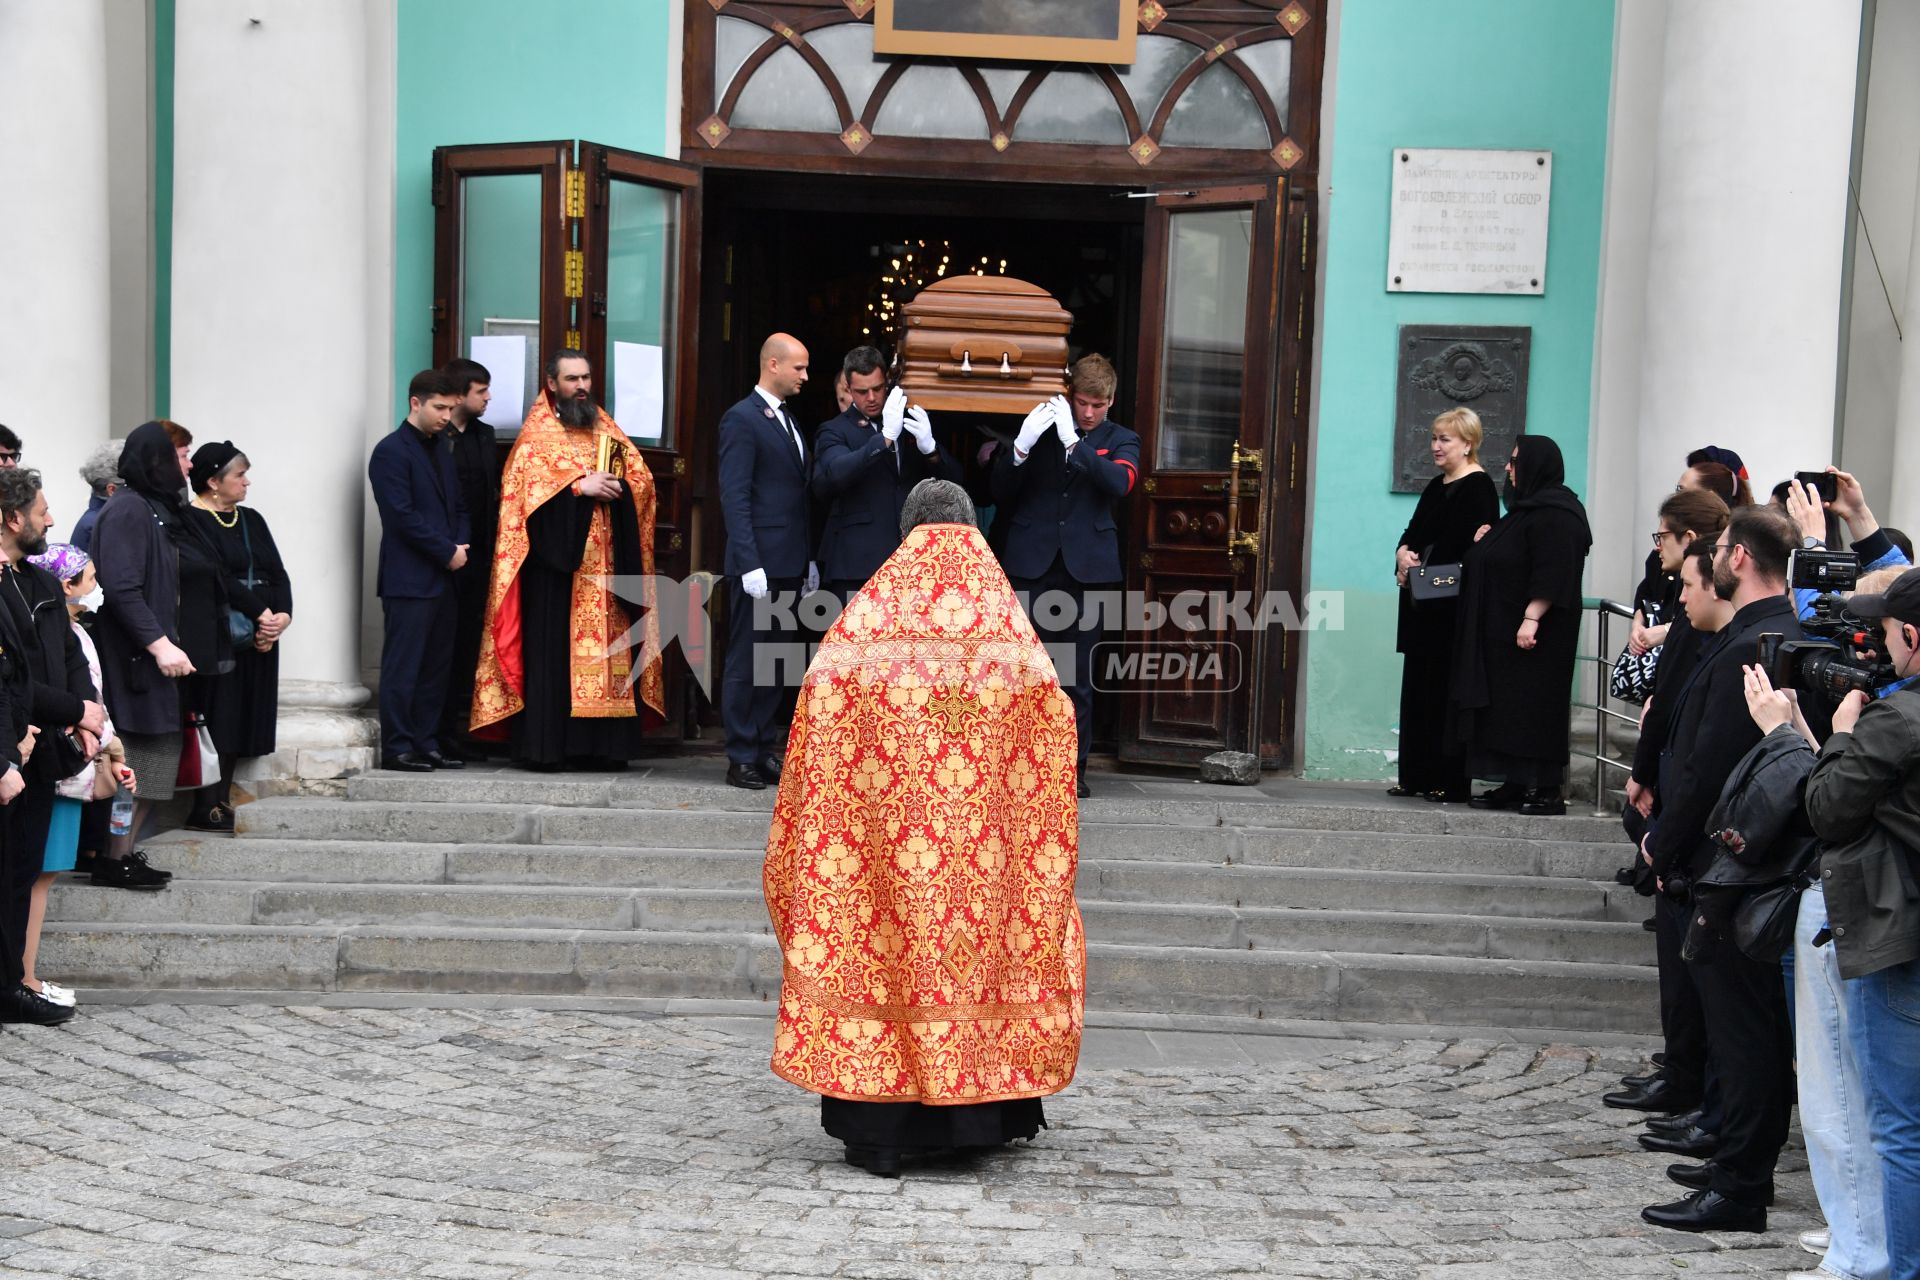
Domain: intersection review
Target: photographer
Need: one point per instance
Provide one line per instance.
(1870, 543)
(1743, 1002)
(1863, 800)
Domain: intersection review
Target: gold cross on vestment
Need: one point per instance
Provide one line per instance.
(955, 706)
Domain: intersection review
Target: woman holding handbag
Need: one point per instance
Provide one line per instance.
(1455, 502)
(243, 704)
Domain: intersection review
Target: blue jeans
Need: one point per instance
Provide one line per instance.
(1883, 1024)
(1833, 1105)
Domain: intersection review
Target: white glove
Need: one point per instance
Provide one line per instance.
(1063, 421)
(754, 583)
(1033, 427)
(813, 579)
(893, 414)
(922, 428)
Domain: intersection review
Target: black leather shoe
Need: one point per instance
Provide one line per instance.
(1657, 1095)
(1692, 1141)
(216, 819)
(770, 768)
(1699, 1177)
(1706, 1211)
(1673, 1124)
(1498, 798)
(1080, 787)
(1543, 804)
(746, 777)
(439, 761)
(407, 762)
(32, 1008)
(881, 1164)
(1638, 1082)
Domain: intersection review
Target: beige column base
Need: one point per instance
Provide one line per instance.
(323, 736)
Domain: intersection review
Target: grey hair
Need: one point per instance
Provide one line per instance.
(935, 502)
(102, 467)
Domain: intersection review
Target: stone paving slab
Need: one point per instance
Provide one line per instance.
(296, 1142)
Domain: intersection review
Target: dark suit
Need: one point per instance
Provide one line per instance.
(1061, 535)
(1742, 1001)
(19, 859)
(764, 500)
(867, 484)
(479, 474)
(423, 521)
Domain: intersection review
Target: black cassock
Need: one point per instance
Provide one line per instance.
(1512, 706)
(547, 732)
(891, 1130)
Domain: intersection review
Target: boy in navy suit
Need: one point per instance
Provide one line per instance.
(1060, 484)
(865, 469)
(765, 466)
(423, 543)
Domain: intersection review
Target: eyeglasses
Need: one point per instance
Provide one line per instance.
(1661, 535)
(1718, 547)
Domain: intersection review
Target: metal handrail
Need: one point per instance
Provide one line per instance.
(1604, 610)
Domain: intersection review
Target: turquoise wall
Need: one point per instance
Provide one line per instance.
(474, 71)
(1412, 73)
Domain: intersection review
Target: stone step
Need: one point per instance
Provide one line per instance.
(348, 860)
(1483, 839)
(1255, 984)
(743, 911)
(1211, 883)
(1210, 806)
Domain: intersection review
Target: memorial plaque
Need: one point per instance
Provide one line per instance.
(1469, 221)
(1446, 367)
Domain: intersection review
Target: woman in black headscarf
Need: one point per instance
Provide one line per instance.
(243, 703)
(161, 584)
(1520, 611)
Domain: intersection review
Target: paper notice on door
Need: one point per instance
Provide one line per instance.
(639, 390)
(506, 359)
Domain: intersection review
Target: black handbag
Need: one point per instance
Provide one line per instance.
(239, 625)
(1764, 922)
(1434, 581)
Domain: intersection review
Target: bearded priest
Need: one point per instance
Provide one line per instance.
(921, 861)
(556, 676)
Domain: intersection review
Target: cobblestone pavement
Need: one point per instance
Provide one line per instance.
(163, 1141)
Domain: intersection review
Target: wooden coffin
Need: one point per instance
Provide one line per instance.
(983, 344)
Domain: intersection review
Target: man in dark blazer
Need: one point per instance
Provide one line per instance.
(864, 469)
(423, 544)
(1060, 485)
(471, 442)
(765, 466)
(1743, 1001)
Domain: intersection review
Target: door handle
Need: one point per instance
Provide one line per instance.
(1236, 540)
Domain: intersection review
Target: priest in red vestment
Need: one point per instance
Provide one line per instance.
(921, 862)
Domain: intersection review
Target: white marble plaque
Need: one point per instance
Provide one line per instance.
(1469, 221)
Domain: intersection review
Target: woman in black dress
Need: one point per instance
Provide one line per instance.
(242, 703)
(1520, 610)
(1454, 505)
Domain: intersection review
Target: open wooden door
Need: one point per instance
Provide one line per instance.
(1190, 668)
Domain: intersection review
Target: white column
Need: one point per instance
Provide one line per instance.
(282, 312)
(1748, 232)
(1904, 511)
(55, 328)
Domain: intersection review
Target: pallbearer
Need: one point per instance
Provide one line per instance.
(576, 512)
(921, 861)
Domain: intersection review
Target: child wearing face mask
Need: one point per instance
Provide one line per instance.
(82, 803)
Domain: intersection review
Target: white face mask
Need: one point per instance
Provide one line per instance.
(92, 600)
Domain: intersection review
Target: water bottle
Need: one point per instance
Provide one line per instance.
(121, 821)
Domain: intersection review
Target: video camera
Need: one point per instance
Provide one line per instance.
(1840, 653)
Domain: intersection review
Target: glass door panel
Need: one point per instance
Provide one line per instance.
(642, 299)
(1204, 356)
(499, 306)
